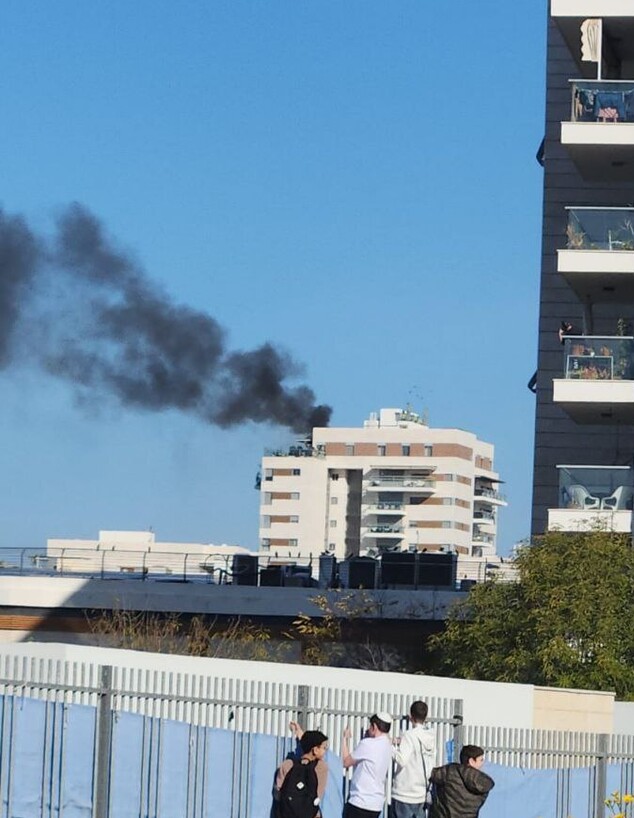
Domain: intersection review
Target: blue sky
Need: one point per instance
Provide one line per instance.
(354, 181)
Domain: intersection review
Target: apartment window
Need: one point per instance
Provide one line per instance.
(448, 501)
(349, 449)
(265, 543)
(446, 524)
(412, 547)
(382, 449)
(294, 495)
(428, 451)
(296, 472)
(268, 474)
(405, 450)
(333, 523)
(267, 498)
(292, 542)
(334, 501)
(334, 475)
(413, 524)
(332, 546)
(293, 518)
(265, 521)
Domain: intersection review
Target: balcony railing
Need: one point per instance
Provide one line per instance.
(599, 358)
(484, 517)
(406, 482)
(386, 529)
(600, 228)
(297, 451)
(483, 538)
(602, 101)
(491, 493)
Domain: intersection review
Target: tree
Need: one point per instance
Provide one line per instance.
(335, 638)
(172, 633)
(566, 622)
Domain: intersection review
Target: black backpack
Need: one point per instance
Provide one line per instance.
(299, 791)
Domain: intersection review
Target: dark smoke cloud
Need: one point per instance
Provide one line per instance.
(121, 336)
(19, 254)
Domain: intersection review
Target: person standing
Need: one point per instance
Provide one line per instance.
(459, 790)
(414, 759)
(370, 761)
(300, 783)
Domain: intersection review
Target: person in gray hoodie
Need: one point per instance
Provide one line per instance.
(460, 790)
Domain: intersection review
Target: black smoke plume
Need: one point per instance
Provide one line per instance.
(106, 328)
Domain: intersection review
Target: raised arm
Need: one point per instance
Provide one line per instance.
(403, 752)
(296, 729)
(346, 756)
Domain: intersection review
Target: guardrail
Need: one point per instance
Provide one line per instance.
(265, 570)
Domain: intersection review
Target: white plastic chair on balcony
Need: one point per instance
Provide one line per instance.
(620, 499)
(580, 497)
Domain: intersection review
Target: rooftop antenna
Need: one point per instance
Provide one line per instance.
(415, 397)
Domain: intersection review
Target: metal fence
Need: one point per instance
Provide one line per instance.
(213, 701)
(594, 764)
(566, 752)
(197, 566)
(244, 707)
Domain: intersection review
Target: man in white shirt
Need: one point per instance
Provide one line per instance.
(371, 761)
(414, 760)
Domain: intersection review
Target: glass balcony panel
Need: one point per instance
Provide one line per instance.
(592, 488)
(602, 101)
(386, 529)
(484, 516)
(599, 358)
(605, 228)
(404, 482)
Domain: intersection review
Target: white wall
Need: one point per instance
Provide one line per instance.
(485, 703)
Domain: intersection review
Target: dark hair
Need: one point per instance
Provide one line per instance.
(311, 739)
(470, 751)
(418, 711)
(383, 726)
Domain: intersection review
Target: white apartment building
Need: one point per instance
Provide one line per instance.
(136, 552)
(394, 484)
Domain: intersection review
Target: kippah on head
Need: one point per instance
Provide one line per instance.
(383, 721)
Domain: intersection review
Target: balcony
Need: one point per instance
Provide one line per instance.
(598, 261)
(600, 134)
(617, 21)
(482, 539)
(489, 496)
(593, 498)
(401, 483)
(598, 382)
(395, 509)
(484, 517)
(388, 531)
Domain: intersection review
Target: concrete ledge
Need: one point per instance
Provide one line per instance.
(191, 597)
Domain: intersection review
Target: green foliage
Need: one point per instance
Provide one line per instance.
(236, 638)
(567, 622)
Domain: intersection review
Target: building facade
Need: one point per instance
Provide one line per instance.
(394, 484)
(584, 433)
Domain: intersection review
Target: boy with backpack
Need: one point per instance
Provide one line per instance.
(300, 783)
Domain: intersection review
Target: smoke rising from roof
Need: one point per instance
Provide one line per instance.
(109, 330)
